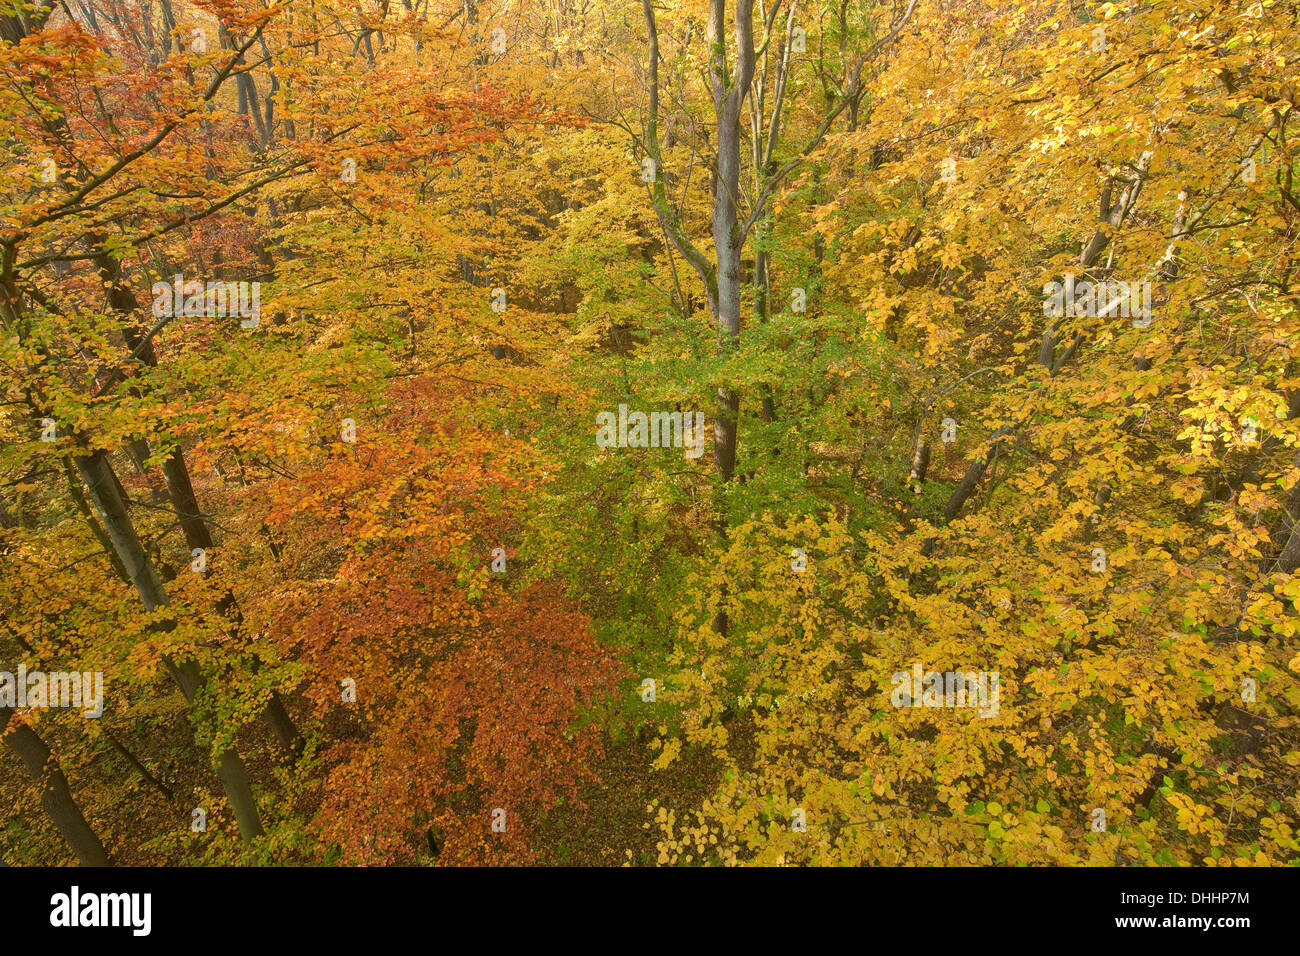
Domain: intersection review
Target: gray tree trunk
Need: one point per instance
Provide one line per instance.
(56, 795)
(102, 486)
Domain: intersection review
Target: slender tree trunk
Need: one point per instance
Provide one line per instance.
(79, 499)
(138, 766)
(197, 535)
(761, 309)
(726, 240)
(100, 482)
(180, 489)
(1111, 216)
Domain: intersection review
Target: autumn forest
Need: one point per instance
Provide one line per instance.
(649, 432)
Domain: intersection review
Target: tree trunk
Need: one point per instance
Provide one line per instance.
(181, 490)
(100, 482)
(728, 95)
(56, 795)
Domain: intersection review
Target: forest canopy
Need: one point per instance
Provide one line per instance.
(814, 432)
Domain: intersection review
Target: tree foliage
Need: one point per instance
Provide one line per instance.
(417, 612)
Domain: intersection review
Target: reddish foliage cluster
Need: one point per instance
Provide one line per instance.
(467, 687)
